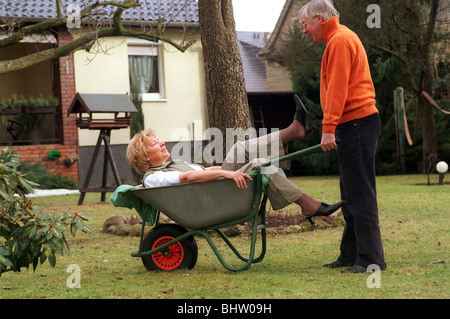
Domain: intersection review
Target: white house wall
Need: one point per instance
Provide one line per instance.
(105, 70)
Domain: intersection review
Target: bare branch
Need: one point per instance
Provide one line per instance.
(79, 44)
(156, 38)
(87, 40)
(18, 35)
(53, 53)
(403, 59)
(58, 9)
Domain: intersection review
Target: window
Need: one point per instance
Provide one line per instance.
(26, 126)
(145, 68)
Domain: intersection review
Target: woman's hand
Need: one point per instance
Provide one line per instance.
(238, 177)
(213, 174)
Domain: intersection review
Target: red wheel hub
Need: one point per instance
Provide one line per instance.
(171, 258)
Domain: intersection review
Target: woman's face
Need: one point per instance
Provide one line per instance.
(157, 152)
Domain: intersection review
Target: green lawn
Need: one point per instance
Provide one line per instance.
(414, 224)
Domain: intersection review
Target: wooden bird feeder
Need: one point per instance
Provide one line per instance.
(91, 110)
(90, 107)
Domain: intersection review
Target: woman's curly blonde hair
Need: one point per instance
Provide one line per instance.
(137, 150)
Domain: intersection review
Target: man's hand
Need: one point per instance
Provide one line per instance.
(328, 142)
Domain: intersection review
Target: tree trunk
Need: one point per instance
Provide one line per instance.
(226, 95)
(428, 125)
(425, 109)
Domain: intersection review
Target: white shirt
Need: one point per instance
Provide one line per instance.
(160, 178)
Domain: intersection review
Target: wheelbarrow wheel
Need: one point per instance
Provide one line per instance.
(181, 255)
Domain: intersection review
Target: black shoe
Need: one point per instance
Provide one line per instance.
(325, 210)
(354, 269)
(337, 264)
(301, 115)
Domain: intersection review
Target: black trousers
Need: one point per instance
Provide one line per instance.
(361, 241)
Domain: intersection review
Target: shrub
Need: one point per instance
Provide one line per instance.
(27, 234)
(44, 178)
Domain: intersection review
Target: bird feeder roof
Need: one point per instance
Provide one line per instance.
(101, 103)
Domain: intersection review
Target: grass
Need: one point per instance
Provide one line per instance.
(414, 225)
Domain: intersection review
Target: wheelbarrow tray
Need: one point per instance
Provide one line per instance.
(201, 205)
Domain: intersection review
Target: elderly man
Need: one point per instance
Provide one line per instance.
(347, 98)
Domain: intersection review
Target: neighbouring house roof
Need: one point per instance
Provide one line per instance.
(281, 31)
(174, 11)
(250, 43)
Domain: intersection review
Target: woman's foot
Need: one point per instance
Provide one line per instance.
(301, 115)
(299, 127)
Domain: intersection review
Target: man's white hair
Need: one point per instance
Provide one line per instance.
(315, 7)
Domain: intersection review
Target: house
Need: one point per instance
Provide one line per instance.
(272, 107)
(279, 79)
(268, 82)
(173, 94)
(174, 102)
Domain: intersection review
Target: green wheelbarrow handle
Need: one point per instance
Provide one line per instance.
(304, 152)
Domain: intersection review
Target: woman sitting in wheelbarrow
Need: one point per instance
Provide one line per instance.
(149, 156)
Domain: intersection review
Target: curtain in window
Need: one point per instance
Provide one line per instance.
(141, 72)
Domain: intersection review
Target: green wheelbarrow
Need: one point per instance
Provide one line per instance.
(199, 209)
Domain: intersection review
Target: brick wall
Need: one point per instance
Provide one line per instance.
(39, 153)
(64, 88)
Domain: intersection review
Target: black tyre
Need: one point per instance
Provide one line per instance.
(181, 255)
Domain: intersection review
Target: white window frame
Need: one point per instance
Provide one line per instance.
(143, 47)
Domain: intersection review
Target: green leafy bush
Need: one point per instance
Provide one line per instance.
(46, 180)
(32, 102)
(27, 234)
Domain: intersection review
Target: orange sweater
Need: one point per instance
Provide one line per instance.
(346, 88)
